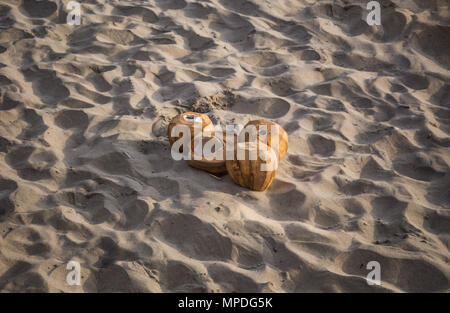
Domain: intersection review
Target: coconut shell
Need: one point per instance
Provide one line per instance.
(248, 173)
(192, 120)
(214, 166)
(282, 135)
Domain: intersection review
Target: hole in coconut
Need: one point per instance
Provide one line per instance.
(192, 118)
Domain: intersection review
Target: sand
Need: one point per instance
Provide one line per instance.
(85, 167)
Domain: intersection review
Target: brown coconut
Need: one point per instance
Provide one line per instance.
(266, 138)
(192, 120)
(215, 164)
(249, 173)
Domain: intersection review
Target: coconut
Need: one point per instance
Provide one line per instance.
(264, 132)
(198, 123)
(212, 160)
(253, 166)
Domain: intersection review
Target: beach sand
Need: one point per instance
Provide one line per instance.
(86, 172)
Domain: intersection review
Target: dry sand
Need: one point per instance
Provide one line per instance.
(86, 174)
